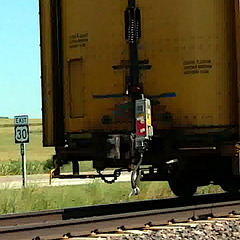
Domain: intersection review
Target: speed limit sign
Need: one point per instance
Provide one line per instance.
(21, 129)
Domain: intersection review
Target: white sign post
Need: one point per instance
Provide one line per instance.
(22, 136)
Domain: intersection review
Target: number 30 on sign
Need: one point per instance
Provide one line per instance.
(22, 135)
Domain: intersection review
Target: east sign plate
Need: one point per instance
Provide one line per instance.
(21, 129)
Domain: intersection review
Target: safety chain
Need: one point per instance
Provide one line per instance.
(116, 174)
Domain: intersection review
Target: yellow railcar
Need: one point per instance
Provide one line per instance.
(101, 57)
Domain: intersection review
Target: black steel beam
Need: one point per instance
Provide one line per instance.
(58, 82)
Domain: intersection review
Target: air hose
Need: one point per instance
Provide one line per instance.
(135, 178)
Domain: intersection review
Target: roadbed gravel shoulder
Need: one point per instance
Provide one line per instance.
(40, 180)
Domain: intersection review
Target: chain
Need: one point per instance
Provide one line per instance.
(116, 174)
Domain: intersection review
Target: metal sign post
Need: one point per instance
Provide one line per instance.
(22, 137)
(24, 164)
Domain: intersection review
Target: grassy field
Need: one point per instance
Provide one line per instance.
(36, 199)
(34, 150)
(39, 159)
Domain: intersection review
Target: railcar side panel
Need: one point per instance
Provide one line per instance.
(190, 46)
(93, 33)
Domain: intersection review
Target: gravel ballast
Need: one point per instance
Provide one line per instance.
(215, 230)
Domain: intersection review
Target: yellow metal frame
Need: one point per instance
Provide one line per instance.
(191, 48)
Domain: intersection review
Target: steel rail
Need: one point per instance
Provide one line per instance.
(32, 217)
(108, 221)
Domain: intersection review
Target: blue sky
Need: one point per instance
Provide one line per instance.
(20, 91)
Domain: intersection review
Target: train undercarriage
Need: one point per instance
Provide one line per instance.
(183, 159)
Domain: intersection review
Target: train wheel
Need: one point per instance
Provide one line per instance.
(180, 180)
(181, 186)
(231, 185)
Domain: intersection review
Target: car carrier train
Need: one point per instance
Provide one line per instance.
(150, 87)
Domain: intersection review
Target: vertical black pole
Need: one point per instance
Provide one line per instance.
(133, 47)
(132, 28)
(24, 164)
(75, 167)
(58, 82)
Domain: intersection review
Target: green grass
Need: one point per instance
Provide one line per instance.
(209, 189)
(36, 198)
(14, 167)
(35, 167)
(39, 158)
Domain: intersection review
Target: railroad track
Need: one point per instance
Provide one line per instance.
(106, 218)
